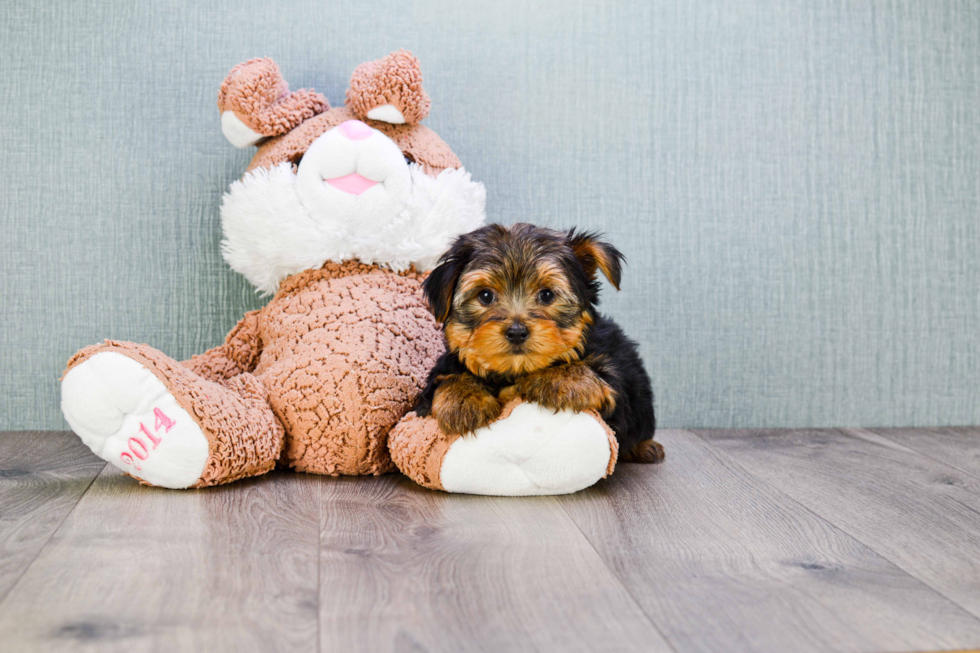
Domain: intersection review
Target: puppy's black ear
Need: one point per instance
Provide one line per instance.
(594, 255)
(440, 286)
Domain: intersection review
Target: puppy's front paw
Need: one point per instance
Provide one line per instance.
(463, 404)
(646, 451)
(573, 387)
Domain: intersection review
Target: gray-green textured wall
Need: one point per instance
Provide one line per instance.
(796, 183)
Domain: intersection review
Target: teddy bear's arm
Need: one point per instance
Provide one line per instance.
(239, 354)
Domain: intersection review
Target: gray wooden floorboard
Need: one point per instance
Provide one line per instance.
(146, 569)
(721, 561)
(741, 541)
(957, 446)
(42, 477)
(921, 514)
(408, 569)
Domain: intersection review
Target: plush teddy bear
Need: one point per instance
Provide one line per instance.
(339, 213)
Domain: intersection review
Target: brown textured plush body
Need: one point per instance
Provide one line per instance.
(320, 375)
(518, 309)
(343, 354)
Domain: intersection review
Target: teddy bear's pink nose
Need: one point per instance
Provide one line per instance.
(355, 130)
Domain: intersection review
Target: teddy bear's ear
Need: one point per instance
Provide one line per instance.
(256, 103)
(389, 90)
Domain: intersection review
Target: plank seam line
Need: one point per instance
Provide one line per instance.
(41, 548)
(814, 513)
(616, 577)
(848, 433)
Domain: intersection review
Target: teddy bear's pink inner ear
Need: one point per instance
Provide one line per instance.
(256, 103)
(389, 90)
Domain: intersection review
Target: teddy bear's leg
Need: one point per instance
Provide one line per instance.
(164, 424)
(529, 450)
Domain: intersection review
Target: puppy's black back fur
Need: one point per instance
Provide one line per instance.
(619, 364)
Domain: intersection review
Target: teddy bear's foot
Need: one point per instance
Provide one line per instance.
(127, 417)
(161, 422)
(529, 450)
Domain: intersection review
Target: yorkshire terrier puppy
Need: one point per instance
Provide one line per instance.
(518, 307)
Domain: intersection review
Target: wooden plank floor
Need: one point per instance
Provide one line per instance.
(809, 540)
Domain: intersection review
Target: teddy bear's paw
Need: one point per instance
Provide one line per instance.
(531, 451)
(127, 417)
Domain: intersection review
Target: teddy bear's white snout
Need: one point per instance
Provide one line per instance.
(353, 178)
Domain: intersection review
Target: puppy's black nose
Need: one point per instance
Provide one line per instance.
(516, 333)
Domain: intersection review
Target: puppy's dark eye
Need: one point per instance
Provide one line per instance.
(486, 297)
(546, 296)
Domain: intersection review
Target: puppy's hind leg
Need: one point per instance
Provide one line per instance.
(645, 451)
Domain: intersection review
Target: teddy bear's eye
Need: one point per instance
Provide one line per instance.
(486, 297)
(408, 159)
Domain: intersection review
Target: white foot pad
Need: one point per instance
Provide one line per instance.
(534, 451)
(126, 416)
